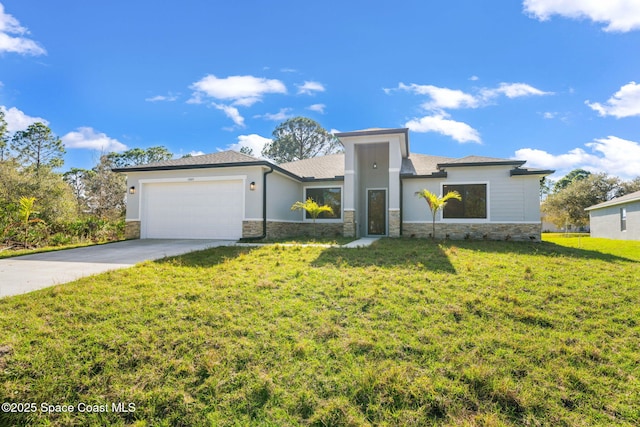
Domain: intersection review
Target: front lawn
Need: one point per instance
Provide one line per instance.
(406, 332)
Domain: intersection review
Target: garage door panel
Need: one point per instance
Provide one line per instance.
(193, 210)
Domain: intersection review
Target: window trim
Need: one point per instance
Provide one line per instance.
(326, 220)
(623, 219)
(467, 220)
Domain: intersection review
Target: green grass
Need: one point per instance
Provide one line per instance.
(336, 240)
(9, 253)
(406, 332)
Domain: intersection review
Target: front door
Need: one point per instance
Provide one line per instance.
(377, 212)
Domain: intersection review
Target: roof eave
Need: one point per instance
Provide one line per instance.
(524, 172)
(440, 174)
(516, 163)
(261, 163)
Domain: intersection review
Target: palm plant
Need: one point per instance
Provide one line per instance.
(313, 209)
(25, 210)
(436, 203)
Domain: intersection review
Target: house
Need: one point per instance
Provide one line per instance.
(371, 187)
(617, 218)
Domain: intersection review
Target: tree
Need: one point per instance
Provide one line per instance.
(37, 146)
(567, 206)
(313, 209)
(630, 186)
(300, 138)
(4, 137)
(77, 180)
(246, 150)
(574, 175)
(139, 156)
(105, 190)
(436, 203)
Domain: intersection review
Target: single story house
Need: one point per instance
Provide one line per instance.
(371, 187)
(617, 218)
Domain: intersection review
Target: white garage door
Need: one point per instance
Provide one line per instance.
(192, 210)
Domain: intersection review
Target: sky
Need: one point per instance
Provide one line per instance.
(553, 82)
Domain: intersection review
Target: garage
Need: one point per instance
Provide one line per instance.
(203, 209)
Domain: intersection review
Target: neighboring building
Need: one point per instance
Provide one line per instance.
(371, 187)
(618, 218)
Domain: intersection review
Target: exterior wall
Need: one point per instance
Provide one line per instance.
(281, 229)
(368, 178)
(513, 206)
(605, 222)
(486, 231)
(253, 199)
(282, 192)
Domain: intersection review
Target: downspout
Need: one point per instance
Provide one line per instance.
(264, 208)
(401, 207)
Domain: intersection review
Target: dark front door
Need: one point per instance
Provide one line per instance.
(376, 212)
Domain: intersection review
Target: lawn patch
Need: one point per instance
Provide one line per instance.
(405, 332)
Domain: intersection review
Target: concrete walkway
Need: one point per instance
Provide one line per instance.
(28, 273)
(361, 243)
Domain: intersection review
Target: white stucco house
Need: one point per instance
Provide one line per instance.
(617, 218)
(371, 187)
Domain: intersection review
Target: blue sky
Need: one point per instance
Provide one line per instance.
(554, 82)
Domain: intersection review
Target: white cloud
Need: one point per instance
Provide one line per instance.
(11, 37)
(612, 155)
(17, 120)
(158, 98)
(318, 108)
(253, 141)
(440, 123)
(623, 103)
(618, 15)
(87, 137)
(443, 98)
(231, 112)
(281, 115)
(309, 88)
(474, 78)
(196, 153)
(241, 90)
(513, 90)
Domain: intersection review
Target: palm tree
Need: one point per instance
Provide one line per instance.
(312, 209)
(436, 203)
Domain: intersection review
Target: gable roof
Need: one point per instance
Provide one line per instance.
(205, 160)
(332, 166)
(481, 161)
(324, 167)
(628, 198)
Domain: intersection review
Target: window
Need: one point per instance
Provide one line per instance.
(331, 196)
(623, 219)
(473, 204)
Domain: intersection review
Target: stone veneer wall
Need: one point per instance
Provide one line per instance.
(349, 225)
(394, 223)
(132, 230)
(487, 231)
(278, 230)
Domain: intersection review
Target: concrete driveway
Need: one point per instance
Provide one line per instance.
(28, 273)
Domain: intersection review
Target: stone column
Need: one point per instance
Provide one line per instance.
(349, 226)
(394, 222)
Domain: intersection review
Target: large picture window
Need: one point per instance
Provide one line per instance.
(473, 203)
(331, 196)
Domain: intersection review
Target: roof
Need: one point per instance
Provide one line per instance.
(628, 198)
(403, 132)
(324, 167)
(481, 161)
(191, 162)
(421, 165)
